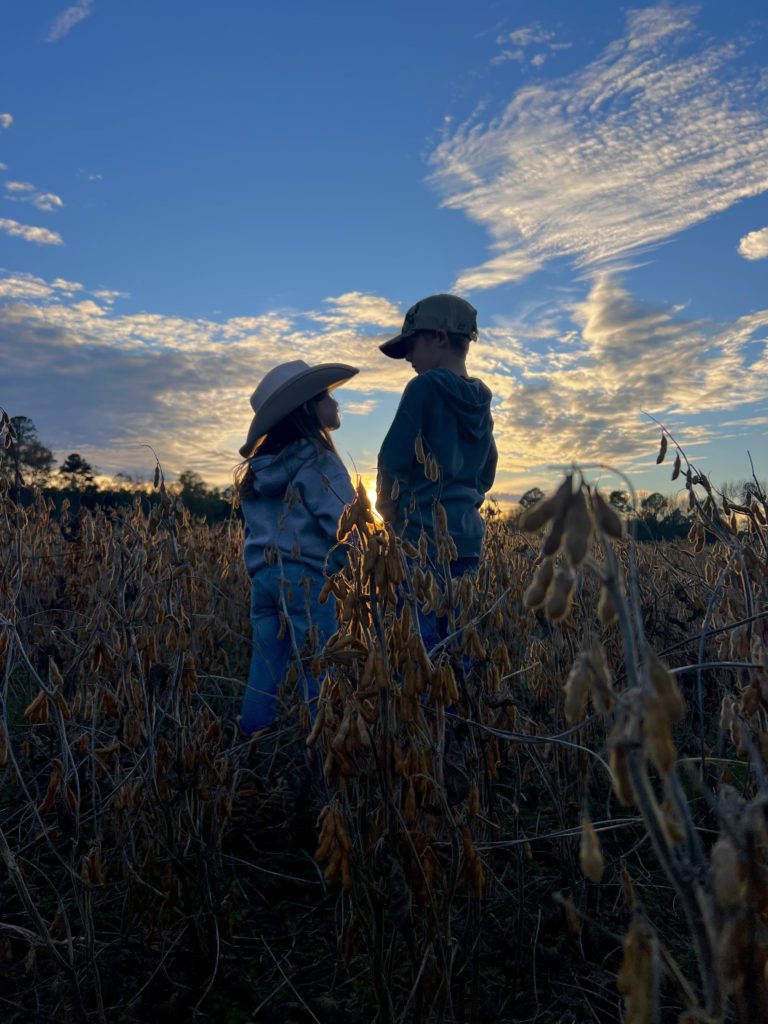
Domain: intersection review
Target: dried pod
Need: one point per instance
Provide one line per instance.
(590, 853)
(608, 519)
(553, 537)
(577, 687)
(537, 589)
(622, 782)
(666, 689)
(662, 449)
(676, 467)
(635, 978)
(727, 874)
(419, 450)
(547, 508)
(606, 610)
(578, 529)
(559, 596)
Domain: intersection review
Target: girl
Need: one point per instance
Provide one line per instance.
(292, 488)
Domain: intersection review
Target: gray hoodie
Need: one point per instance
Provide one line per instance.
(294, 507)
(453, 415)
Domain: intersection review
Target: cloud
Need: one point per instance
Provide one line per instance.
(68, 287)
(108, 295)
(182, 385)
(505, 55)
(568, 384)
(47, 201)
(527, 36)
(754, 246)
(66, 21)
(40, 236)
(3, 167)
(357, 308)
(26, 192)
(658, 133)
(360, 408)
(6, 120)
(25, 286)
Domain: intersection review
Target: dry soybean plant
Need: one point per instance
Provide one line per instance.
(551, 808)
(116, 780)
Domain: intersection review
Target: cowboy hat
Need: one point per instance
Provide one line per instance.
(285, 388)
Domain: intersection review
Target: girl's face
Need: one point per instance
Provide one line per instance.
(327, 409)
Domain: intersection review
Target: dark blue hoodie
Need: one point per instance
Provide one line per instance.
(453, 416)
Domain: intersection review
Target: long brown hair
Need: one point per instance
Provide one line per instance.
(302, 424)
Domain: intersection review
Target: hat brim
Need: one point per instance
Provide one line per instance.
(397, 347)
(294, 393)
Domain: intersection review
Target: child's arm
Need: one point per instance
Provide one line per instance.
(488, 472)
(326, 489)
(398, 448)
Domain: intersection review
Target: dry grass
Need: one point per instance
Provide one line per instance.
(557, 814)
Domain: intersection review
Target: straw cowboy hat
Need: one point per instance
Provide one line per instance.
(285, 388)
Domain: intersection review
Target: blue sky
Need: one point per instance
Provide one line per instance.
(192, 192)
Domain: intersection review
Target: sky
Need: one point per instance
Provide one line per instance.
(192, 192)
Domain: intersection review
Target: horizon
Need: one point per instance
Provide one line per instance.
(272, 186)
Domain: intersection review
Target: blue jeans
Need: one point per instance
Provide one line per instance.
(292, 590)
(433, 630)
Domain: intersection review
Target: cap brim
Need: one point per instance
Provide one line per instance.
(396, 348)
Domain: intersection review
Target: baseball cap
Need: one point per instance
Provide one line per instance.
(446, 313)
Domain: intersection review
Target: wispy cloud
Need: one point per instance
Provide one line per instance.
(48, 201)
(357, 308)
(754, 246)
(40, 236)
(521, 39)
(66, 21)
(26, 192)
(527, 36)
(6, 120)
(658, 133)
(363, 408)
(87, 375)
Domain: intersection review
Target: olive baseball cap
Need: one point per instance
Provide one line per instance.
(446, 313)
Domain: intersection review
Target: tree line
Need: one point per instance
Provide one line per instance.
(26, 464)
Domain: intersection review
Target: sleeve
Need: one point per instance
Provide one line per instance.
(488, 471)
(326, 488)
(397, 450)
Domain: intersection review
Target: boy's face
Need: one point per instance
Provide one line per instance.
(426, 350)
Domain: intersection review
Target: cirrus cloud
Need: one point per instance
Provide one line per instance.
(642, 143)
(63, 24)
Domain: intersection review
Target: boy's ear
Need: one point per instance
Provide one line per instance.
(442, 339)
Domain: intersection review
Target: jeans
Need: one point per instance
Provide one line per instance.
(292, 590)
(433, 630)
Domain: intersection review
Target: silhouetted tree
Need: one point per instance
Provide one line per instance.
(200, 498)
(654, 505)
(620, 501)
(77, 472)
(35, 460)
(531, 496)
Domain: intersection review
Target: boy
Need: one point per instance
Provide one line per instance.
(451, 412)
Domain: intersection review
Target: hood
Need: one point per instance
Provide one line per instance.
(273, 473)
(468, 397)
